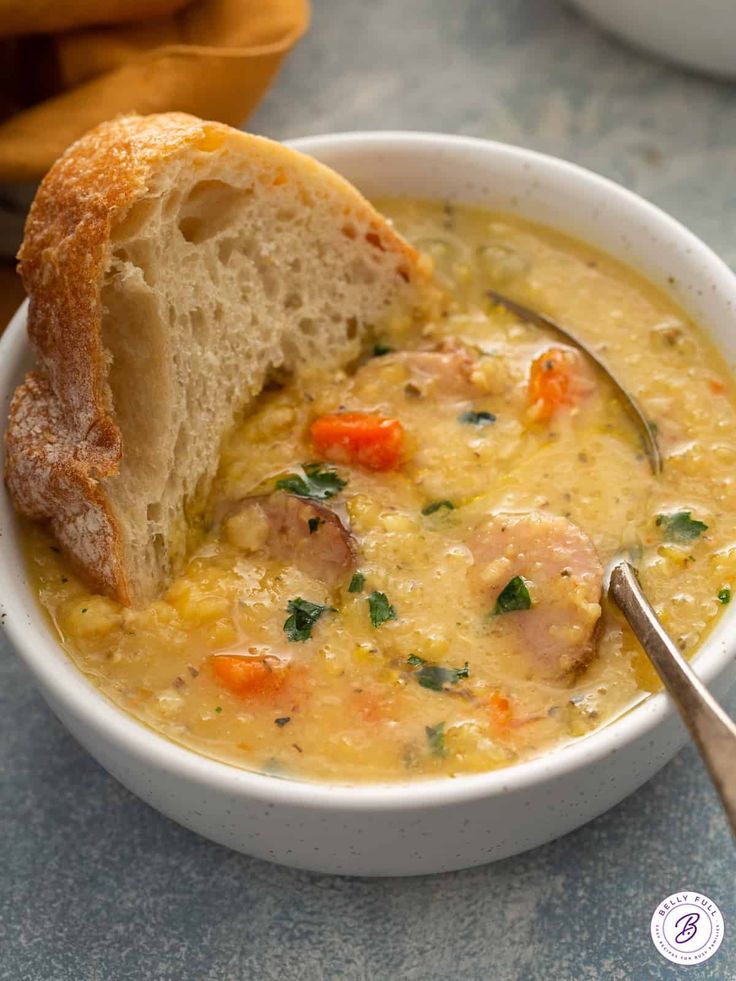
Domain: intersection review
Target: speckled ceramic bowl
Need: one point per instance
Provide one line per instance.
(427, 826)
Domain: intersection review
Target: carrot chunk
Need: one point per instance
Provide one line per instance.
(371, 441)
(246, 676)
(499, 709)
(370, 706)
(556, 380)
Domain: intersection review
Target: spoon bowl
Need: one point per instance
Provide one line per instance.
(632, 406)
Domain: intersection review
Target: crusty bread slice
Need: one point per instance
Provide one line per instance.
(171, 265)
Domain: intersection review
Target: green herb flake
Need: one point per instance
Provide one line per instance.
(514, 596)
(434, 676)
(380, 349)
(681, 526)
(436, 739)
(318, 483)
(380, 609)
(357, 583)
(436, 505)
(724, 595)
(313, 524)
(218, 709)
(302, 617)
(478, 419)
(284, 720)
(275, 768)
(84, 609)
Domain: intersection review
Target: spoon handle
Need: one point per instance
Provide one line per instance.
(713, 731)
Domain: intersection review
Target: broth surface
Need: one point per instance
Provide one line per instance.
(414, 658)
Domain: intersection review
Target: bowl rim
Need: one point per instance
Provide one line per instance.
(69, 689)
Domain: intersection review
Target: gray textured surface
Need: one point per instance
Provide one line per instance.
(95, 885)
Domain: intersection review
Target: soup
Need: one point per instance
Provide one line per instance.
(400, 572)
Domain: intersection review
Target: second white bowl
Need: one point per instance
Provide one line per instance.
(695, 34)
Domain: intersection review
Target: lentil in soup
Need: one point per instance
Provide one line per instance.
(402, 573)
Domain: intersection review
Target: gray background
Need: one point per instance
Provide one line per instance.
(95, 885)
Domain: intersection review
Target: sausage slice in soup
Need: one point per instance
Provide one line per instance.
(549, 572)
(293, 530)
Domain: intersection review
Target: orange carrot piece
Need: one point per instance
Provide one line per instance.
(370, 706)
(499, 709)
(246, 676)
(371, 441)
(556, 380)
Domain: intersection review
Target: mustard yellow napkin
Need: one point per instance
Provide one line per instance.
(18, 17)
(213, 58)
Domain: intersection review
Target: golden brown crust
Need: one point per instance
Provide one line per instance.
(62, 439)
(54, 478)
(65, 251)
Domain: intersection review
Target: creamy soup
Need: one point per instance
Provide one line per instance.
(400, 574)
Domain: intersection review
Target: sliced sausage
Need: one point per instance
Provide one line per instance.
(295, 531)
(564, 576)
(445, 372)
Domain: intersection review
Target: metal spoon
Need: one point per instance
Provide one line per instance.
(633, 408)
(713, 731)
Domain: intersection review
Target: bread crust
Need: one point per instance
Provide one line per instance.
(62, 439)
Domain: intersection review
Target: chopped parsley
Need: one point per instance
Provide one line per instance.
(314, 524)
(436, 739)
(318, 483)
(479, 419)
(436, 505)
(434, 676)
(380, 349)
(302, 617)
(681, 526)
(284, 720)
(513, 596)
(724, 595)
(380, 609)
(357, 583)
(84, 609)
(218, 709)
(275, 767)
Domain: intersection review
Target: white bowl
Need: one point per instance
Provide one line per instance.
(695, 33)
(425, 826)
